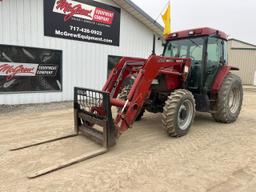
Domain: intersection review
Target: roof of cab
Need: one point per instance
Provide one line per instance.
(205, 31)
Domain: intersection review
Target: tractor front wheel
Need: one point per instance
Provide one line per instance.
(179, 112)
(229, 100)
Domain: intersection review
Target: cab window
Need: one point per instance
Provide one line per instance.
(215, 56)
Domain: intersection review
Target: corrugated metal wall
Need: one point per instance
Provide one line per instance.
(84, 64)
(245, 60)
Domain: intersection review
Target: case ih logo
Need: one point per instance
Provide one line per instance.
(10, 70)
(72, 8)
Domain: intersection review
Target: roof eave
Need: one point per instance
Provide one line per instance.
(243, 42)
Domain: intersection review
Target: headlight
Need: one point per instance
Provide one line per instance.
(186, 69)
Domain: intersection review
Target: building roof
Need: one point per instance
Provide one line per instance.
(243, 42)
(141, 15)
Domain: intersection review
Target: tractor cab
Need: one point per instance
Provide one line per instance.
(208, 50)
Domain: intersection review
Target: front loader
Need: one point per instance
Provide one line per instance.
(191, 75)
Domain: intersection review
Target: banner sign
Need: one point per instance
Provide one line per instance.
(29, 69)
(83, 20)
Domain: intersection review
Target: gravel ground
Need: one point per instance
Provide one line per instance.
(213, 157)
(28, 108)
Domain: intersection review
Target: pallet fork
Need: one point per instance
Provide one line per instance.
(93, 119)
(92, 109)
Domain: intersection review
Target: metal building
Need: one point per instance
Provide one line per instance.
(84, 64)
(243, 56)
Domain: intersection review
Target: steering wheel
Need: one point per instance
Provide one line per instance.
(185, 56)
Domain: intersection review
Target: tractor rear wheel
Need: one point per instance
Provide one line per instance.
(229, 101)
(179, 112)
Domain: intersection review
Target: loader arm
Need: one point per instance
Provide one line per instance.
(125, 67)
(147, 71)
(93, 116)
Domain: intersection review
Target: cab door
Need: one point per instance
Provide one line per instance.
(214, 60)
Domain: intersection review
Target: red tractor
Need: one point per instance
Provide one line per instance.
(191, 75)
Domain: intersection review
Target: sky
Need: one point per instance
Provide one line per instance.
(235, 17)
